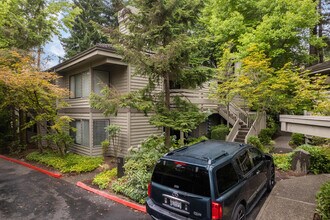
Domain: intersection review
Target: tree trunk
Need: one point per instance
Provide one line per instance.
(14, 123)
(320, 33)
(39, 143)
(39, 58)
(228, 113)
(167, 107)
(22, 131)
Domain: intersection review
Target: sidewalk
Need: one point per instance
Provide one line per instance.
(293, 198)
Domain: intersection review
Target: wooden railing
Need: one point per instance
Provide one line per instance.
(258, 124)
(234, 131)
(195, 96)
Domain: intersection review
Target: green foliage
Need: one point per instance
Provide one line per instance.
(166, 30)
(192, 141)
(265, 135)
(255, 141)
(103, 179)
(29, 24)
(138, 168)
(323, 201)
(319, 141)
(297, 140)
(283, 161)
(105, 145)
(184, 117)
(70, 163)
(219, 132)
(320, 158)
(85, 31)
(264, 88)
(59, 134)
(276, 27)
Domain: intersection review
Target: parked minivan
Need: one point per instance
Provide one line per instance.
(209, 180)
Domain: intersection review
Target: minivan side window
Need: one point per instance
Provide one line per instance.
(256, 156)
(244, 162)
(226, 177)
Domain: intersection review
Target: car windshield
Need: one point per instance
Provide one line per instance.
(181, 176)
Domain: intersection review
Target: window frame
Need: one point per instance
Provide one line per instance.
(82, 142)
(106, 134)
(73, 85)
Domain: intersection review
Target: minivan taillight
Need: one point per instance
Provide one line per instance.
(149, 190)
(216, 211)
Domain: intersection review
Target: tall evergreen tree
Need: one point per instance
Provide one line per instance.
(160, 44)
(86, 30)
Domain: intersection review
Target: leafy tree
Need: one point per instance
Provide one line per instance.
(31, 91)
(284, 90)
(86, 29)
(29, 24)
(161, 46)
(279, 28)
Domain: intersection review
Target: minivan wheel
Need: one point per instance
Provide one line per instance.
(239, 213)
(271, 179)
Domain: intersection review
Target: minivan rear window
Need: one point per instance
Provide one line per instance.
(181, 176)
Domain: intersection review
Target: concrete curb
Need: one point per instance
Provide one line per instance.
(55, 175)
(132, 205)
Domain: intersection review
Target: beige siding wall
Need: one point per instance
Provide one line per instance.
(141, 128)
(122, 143)
(139, 82)
(119, 78)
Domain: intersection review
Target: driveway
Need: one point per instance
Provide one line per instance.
(27, 194)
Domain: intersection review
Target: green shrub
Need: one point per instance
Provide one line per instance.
(192, 141)
(102, 179)
(265, 135)
(138, 168)
(219, 132)
(319, 141)
(283, 161)
(323, 201)
(297, 140)
(254, 141)
(320, 159)
(68, 163)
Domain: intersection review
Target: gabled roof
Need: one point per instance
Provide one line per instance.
(99, 49)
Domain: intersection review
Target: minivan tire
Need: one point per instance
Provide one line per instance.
(239, 213)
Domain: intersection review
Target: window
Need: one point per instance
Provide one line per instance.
(184, 177)
(100, 79)
(99, 134)
(81, 136)
(80, 85)
(244, 162)
(255, 155)
(226, 178)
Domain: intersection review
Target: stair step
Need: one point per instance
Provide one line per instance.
(242, 132)
(244, 126)
(240, 140)
(244, 129)
(240, 136)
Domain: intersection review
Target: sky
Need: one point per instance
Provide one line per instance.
(52, 52)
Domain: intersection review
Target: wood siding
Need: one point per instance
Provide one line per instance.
(140, 128)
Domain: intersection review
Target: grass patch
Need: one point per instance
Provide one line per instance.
(283, 161)
(68, 164)
(102, 179)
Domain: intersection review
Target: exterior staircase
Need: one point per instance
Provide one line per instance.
(242, 132)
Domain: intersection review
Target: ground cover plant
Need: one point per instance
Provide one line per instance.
(70, 163)
(323, 201)
(103, 179)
